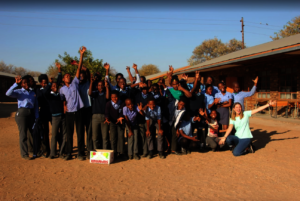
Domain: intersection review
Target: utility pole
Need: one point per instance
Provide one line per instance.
(242, 21)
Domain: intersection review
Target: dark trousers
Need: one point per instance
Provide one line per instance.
(174, 139)
(71, 118)
(117, 137)
(142, 133)
(25, 120)
(160, 139)
(240, 144)
(167, 135)
(97, 125)
(133, 141)
(213, 142)
(188, 144)
(85, 125)
(201, 135)
(45, 142)
(59, 134)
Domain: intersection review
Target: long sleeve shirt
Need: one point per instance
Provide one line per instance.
(239, 97)
(26, 99)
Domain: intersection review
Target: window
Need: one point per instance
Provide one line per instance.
(263, 95)
(288, 80)
(288, 95)
(263, 84)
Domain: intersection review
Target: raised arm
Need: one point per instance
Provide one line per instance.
(91, 85)
(270, 103)
(253, 90)
(81, 50)
(107, 66)
(129, 74)
(138, 79)
(187, 93)
(10, 92)
(197, 77)
(169, 74)
(107, 91)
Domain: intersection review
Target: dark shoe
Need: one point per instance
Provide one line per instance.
(136, 157)
(80, 157)
(27, 158)
(68, 157)
(144, 155)
(61, 156)
(251, 148)
(51, 157)
(130, 157)
(161, 155)
(150, 155)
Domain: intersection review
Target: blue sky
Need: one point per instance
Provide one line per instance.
(111, 35)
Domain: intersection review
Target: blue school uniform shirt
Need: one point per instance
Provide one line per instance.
(208, 100)
(224, 97)
(131, 114)
(186, 127)
(154, 114)
(84, 94)
(26, 99)
(215, 90)
(239, 97)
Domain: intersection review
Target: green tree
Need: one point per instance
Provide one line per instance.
(291, 28)
(94, 65)
(148, 69)
(213, 48)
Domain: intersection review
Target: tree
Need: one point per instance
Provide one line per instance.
(94, 65)
(213, 48)
(148, 69)
(291, 28)
(17, 70)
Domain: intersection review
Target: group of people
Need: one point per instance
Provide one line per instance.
(155, 118)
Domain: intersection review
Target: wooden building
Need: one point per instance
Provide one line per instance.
(6, 81)
(277, 64)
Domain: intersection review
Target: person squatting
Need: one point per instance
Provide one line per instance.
(150, 118)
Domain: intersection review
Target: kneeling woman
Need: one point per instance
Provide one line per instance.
(240, 121)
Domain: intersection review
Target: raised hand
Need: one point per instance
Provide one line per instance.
(272, 102)
(197, 75)
(128, 68)
(140, 106)
(201, 112)
(185, 77)
(171, 69)
(256, 80)
(106, 84)
(106, 66)
(148, 133)
(197, 119)
(119, 120)
(160, 132)
(106, 121)
(57, 65)
(82, 49)
(134, 66)
(18, 79)
(73, 62)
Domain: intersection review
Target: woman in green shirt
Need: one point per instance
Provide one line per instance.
(240, 121)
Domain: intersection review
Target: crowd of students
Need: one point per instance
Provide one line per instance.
(156, 118)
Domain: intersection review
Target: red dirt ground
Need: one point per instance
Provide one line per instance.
(272, 173)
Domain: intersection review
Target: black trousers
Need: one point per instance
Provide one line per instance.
(174, 139)
(188, 144)
(117, 137)
(85, 126)
(45, 147)
(71, 118)
(59, 134)
(25, 120)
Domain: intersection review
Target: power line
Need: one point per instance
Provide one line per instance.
(256, 33)
(263, 24)
(111, 28)
(261, 27)
(108, 20)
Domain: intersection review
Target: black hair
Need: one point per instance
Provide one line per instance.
(145, 80)
(100, 81)
(221, 83)
(214, 111)
(26, 77)
(42, 77)
(183, 98)
(184, 84)
(117, 75)
(97, 75)
(155, 85)
(213, 80)
(114, 92)
(127, 100)
(150, 99)
(123, 79)
(175, 78)
(208, 85)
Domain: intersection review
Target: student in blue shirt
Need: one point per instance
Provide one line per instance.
(118, 77)
(238, 95)
(224, 99)
(28, 111)
(210, 81)
(209, 98)
(153, 120)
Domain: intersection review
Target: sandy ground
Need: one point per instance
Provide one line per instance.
(272, 173)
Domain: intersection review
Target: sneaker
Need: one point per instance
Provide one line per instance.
(80, 157)
(68, 157)
(136, 157)
(130, 157)
(161, 155)
(251, 148)
(150, 155)
(26, 158)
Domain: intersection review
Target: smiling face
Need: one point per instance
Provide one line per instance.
(151, 104)
(100, 86)
(122, 83)
(175, 84)
(238, 109)
(180, 105)
(67, 78)
(222, 88)
(118, 78)
(129, 104)
(114, 98)
(44, 83)
(24, 84)
(209, 90)
(54, 87)
(209, 80)
(236, 88)
(213, 114)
